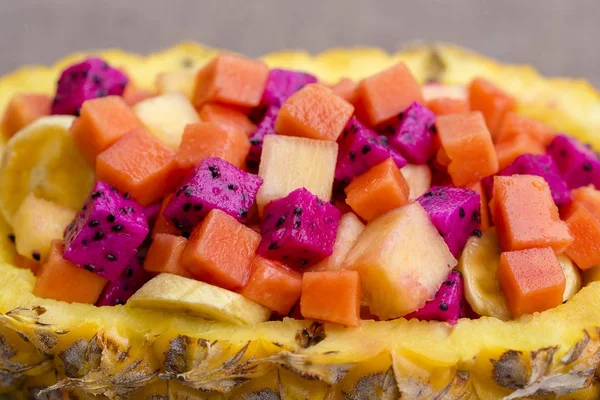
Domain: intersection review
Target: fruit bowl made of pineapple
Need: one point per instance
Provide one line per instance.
(124, 352)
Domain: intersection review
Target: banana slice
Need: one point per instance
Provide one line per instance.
(173, 292)
(42, 159)
(572, 277)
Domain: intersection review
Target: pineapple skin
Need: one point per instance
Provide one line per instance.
(81, 352)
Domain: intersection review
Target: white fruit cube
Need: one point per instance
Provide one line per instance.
(437, 90)
(166, 116)
(402, 261)
(289, 163)
(418, 178)
(175, 82)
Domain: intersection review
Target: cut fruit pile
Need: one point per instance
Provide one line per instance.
(242, 192)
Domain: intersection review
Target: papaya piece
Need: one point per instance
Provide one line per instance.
(492, 102)
(227, 117)
(22, 110)
(447, 105)
(585, 229)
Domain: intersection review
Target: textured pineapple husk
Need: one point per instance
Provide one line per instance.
(54, 350)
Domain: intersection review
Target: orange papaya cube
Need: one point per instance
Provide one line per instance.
(381, 97)
(486, 221)
(164, 255)
(27, 263)
(492, 102)
(532, 280)
(220, 251)
(377, 191)
(60, 279)
(346, 88)
(138, 164)
(102, 122)
(163, 225)
(210, 139)
(331, 296)
(227, 117)
(273, 285)
(514, 125)
(526, 216)
(509, 150)
(134, 94)
(468, 145)
(447, 105)
(585, 228)
(314, 112)
(22, 110)
(588, 197)
(231, 79)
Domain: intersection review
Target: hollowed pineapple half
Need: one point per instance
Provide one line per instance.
(58, 350)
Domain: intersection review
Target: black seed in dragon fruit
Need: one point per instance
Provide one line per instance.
(106, 233)
(131, 280)
(360, 149)
(86, 80)
(214, 183)
(265, 127)
(299, 229)
(413, 134)
(448, 303)
(578, 164)
(283, 83)
(455, 212)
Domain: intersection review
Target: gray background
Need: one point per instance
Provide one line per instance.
(560, 37)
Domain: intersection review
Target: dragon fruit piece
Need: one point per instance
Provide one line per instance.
(299, 229)
(360, 149)
(455, 212)
(86, 80)
(447, 305)
(578, 164)
(151, 212)
(131, 280)
(214, 183)
(106, 233)
(265, 127)
(283, 83)
(413, 134)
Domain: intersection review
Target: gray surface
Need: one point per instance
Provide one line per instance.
(557, 36)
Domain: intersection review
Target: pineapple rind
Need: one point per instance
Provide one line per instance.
(387, 357)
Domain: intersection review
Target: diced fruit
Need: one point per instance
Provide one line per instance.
(227, 117)
(133, 277)
(179, 294)
(381, 97)
(332, 296)
(455, 212)
(209, 139)
(299, 229)
(166, 116)
(103, 121)
(163, 225)
(42, 159)
(447, 305)
(273, 285)
(398, 274)
(492, 102)
(377, 191)
(587, 196)
(514, 125)
(265, 127)
(164, 255)
(214, 184)
(22, 110)
(89, 79)
(532, 280)
(231, 79)
(508, 151)
(138, 164)
(220, 251)
(484, 211)
(572, 277)
(468, 144)
(175, 82)
(60, 279)
(134, 94)
(37, 223)
(289, 163)
(314, 112)
(434, 90)
(479, 265)
(418, 178)
(413, 134)
(281, 84)
(360, 149)
(151, 212)
(346, 88)
(105, 235)
(348, 231)
(578, 164)
(445, 106)
(526, 215)
(585, 229)
(26, 263)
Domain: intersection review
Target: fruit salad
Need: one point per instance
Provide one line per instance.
(247, 194)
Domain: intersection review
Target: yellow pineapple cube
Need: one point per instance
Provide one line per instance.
(289, 163)
(175, 82)
(418, 178)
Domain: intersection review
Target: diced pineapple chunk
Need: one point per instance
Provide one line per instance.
(289, 163)
(173, 292)
(166, 116)
(175, 82)
(36, 224)
(402, 261)
(572, 277)
(436, 91)
(418, 178)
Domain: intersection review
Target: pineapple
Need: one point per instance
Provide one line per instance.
(175, 82)
(418, 178)
(51, 349)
